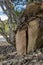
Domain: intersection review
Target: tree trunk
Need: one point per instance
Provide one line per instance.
(21, 42)
(33, 30)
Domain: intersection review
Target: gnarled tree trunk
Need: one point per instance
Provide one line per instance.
(33, 30)
(21, 42)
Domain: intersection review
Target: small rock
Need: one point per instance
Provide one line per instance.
(34, 60)
(37, 63)
(40, 57)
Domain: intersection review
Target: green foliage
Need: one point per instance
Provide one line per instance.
(17, 13)
(14, 25)
(6, 28)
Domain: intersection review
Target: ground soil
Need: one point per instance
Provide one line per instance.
(8, 56)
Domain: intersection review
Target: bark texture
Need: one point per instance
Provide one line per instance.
(21, 42)
(33, 30)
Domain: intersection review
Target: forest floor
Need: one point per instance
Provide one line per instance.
(8, 56)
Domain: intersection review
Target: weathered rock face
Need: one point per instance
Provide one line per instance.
(33, 30)
(21, 42)
(31, 10)
(31, 19)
